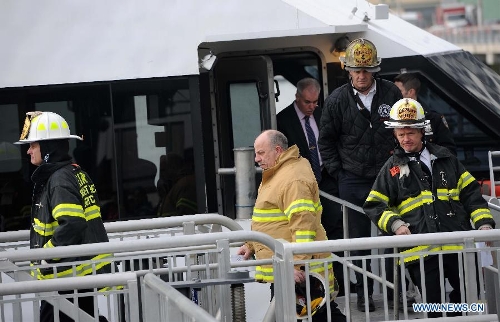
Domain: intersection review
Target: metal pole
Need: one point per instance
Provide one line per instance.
(245, 182)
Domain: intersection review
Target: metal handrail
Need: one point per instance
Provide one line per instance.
(141, 224)
(136, 245)
(174, 298)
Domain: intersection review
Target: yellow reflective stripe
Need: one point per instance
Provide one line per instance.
(452, 247)
(48, 244)
(264, 274)
(319, 267)
(54, 126)
(445, 194)
(107, 288)
(430, 249)
(454, 194)
(301, 205)
(80, 270)
(184, 202)
(442, 194)
(465, 179)
(377, 196)
(43, 228)
(65, 209)
(480, 213)
(92, 212)
(415, 202)
(302, 236)
(424, 248)
(384, 219)
(268, 215)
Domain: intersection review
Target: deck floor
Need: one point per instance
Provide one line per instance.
(379, 313)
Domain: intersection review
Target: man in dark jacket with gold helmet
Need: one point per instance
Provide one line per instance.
(65, 207)
(354, 143)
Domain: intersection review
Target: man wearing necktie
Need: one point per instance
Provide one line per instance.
(299, 123)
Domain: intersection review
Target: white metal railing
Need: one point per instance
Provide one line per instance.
(202, 261)
(284, 265)
(162, 302)
(20, 300)
(493, 170)
(206, 259)
(141, 228)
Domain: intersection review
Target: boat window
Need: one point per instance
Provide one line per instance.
(471, 140)
(137, 147)
(154, 148)
(245, 113)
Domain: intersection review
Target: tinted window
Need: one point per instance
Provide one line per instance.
(137, 147)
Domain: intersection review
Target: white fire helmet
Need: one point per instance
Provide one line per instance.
(40, 126)
(361, 54)
(406, 113)
(317, 293)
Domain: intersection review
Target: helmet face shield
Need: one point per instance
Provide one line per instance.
(406, 113)
(40, 126)
(361, 54)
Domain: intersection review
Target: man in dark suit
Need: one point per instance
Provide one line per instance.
(291, 120)
(292, 123)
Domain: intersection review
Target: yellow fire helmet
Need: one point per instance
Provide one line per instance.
(317, 295)
(406, 113)
(361, 54)
(40, 126)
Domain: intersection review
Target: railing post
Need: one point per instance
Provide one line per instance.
(470, 271)
(133, 300)
(224, 291)
(284, 283)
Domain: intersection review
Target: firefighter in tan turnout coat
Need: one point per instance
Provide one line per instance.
(288, 207)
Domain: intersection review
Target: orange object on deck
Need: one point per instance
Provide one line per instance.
(486, 188)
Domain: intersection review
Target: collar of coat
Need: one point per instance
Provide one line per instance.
(436, 151)
(289, 155)
(44, 171)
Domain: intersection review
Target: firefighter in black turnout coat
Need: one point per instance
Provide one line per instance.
(423, 188)
(65, 207)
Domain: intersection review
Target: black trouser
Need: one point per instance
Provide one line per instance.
(331, 219)
(389, 273)
(355, 189)
(432, 283)
(322, 315)
(85, 303)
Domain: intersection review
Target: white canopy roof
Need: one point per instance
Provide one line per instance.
(56, 42)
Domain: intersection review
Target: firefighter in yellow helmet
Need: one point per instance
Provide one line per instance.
(354, 143)
(423, 188)
(65, 206)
